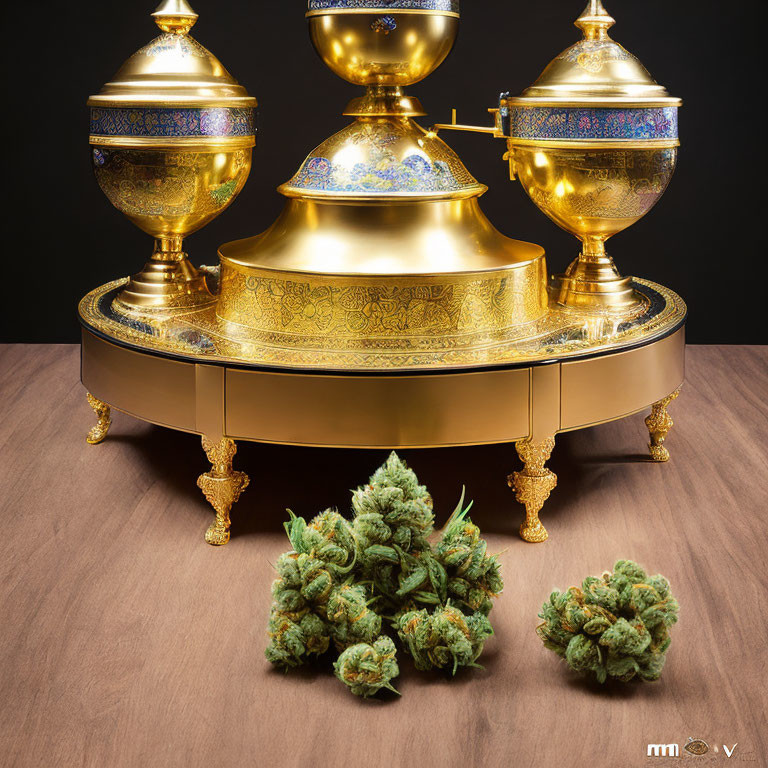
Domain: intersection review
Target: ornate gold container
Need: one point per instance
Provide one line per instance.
(171, 139)
(382, 270)
(382, 244)
(594, 144)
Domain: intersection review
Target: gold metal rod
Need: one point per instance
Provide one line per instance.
(454, 126)
(471, 128)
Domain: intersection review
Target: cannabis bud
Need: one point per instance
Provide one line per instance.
(446, 638)
(341, 577)
(366, 669)
(614, 626)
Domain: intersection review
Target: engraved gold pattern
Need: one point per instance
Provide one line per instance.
(185, 189)
(171, 139)
(594, 194)
(533, 485)
(199, 334)
(222, 487)
(103, 414)
(384, 157)
(392, 312)
(591, 192)
(659, 424)
(169, 194)
(568, 149)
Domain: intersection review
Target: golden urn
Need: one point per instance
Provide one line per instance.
(171, 140)
(382, 244)
(594, 143)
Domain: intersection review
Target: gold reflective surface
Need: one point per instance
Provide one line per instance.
(597, 71)
(169, 195)
(173, 70)
(382, 244)
(659, 424)
(561, 333)
(388, 313)
(594, 194)
(594, 188)
(597, 390)
(410, 238)
(222, 486)
(367, 164)
(381, 271)
(99, 432)
(533, 485)
(384, 100)
(170, 186)
(418, 274)
(353, 48)
(333, 409)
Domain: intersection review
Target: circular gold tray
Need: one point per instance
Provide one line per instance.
(562, 334)
(179, 370)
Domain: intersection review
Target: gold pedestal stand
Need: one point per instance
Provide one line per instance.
(185, 371)
(593, 283)
(383, 309)
(168, 281)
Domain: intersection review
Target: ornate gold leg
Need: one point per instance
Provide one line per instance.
(659, 423)
(222, 486)
(103, 411)
(533, 485)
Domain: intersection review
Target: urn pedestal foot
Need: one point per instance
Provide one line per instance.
(659, 424)
(222, 487)
(533, 485)
(103, 414)
(168, 281)
(593, 283)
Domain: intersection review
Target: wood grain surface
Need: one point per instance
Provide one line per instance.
(126, 641)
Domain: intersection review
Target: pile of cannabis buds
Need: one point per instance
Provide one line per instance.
(347, 582)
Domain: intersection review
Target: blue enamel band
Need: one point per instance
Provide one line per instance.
(171, 123)
(440, 6)
(414, 175)
(589, 123)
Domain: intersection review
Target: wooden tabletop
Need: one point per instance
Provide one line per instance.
(126, 641)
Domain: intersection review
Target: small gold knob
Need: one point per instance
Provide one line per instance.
(595, 21)
(175, 16)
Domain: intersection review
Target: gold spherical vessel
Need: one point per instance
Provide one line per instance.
(171, 141)
(594, 144)
(361, 47)
(594, 195)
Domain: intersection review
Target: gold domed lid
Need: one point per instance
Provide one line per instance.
(173, 70)
(597, 71)
(383, 159)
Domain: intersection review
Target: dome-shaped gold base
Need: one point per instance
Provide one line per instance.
(419, 275)
(382, 246)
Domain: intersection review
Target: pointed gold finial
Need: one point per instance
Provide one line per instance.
(175, 16)
(595, 21)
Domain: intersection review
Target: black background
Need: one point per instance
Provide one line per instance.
(63, 238)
